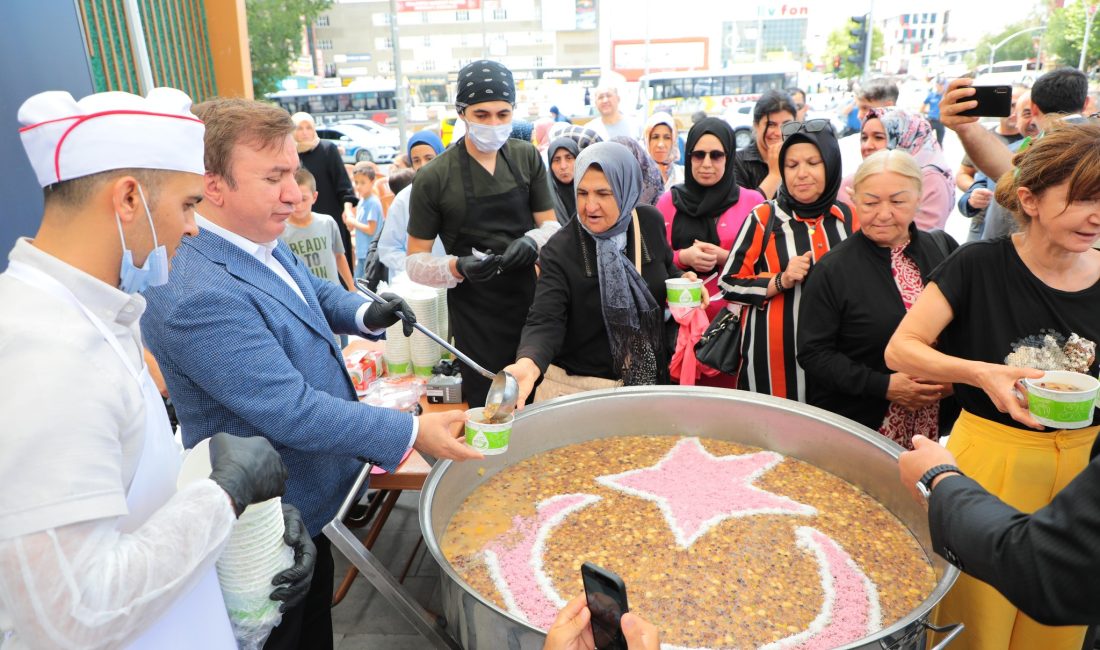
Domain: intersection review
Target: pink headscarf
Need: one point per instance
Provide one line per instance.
(911, 133)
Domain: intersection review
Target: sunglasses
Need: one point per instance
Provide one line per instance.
(809, 126)
(699, 155)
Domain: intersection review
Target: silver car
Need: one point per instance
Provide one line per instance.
(357, 143)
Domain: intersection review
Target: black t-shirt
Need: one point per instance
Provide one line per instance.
(1005, 314)
(437, 206)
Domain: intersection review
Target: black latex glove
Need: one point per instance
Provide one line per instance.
(296, 579)
(248, 469)
(476, 270)
(520, 254)
(381, 315)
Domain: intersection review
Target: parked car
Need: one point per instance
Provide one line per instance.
(739, 116)
(357, 143)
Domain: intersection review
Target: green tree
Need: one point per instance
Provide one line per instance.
(275, 36)
(1065, 33)
(1018, 48)
(837, 46)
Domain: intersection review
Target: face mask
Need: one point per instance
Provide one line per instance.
(155, 271)
(488, 139)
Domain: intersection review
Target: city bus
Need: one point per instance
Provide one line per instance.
(375, 101)
(714, 91)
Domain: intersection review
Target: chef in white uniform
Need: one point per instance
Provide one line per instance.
(97, 548)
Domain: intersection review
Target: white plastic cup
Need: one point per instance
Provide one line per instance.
(1053, 406)
(681, 292)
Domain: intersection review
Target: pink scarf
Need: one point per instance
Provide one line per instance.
(684, 367)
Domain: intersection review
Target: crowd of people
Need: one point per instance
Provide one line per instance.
(831, 273)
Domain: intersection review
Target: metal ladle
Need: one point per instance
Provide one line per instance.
(501, 399)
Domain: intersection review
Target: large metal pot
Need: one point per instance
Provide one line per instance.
(836, 444)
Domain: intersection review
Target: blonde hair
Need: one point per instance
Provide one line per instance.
(1065, 153)
(889, 160)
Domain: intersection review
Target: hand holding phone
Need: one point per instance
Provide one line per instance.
(606, 595)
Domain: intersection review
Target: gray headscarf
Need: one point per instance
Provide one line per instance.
(630, 313)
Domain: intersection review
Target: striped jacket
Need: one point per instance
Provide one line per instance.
(769, 326)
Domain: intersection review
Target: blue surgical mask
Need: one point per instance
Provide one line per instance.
(155, 270)
(488, 139)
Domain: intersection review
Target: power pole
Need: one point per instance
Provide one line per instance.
(398, 78)
(1090, 13)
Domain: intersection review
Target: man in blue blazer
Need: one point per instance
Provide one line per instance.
(244, 336)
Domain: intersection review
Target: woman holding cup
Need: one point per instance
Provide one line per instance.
(1004, 311)
(597, 320)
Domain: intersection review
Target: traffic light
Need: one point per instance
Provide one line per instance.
(861, 33)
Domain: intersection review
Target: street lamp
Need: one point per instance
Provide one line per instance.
(993, 50)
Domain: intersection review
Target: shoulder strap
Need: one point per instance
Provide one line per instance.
(768, 224)
(637, 242)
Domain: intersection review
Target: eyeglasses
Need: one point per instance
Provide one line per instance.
(809, 126)
(717, 156)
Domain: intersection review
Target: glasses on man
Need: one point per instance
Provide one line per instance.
(717, 156)
(809, 126)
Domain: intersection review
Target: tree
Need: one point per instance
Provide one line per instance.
(1017, 49)
(275, 36)
(837, 46)
(1066, 31)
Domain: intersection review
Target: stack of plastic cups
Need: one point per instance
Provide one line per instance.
(444, 331)
(425, 352)
(397, 353)
(254, 554)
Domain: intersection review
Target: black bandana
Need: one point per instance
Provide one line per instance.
(484, 81)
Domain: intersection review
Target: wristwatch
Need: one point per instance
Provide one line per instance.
(924, 485)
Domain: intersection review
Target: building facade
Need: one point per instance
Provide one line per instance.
(914, 42)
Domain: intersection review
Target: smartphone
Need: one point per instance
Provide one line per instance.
(606, 595)
(993, 101)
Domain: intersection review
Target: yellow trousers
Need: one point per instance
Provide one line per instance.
(1025, 469)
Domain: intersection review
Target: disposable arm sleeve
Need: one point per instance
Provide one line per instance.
(543, 233)
(87, 585)
(431, 270)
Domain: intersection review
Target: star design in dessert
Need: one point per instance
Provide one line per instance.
(696, 490)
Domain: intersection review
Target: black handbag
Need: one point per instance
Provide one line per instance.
(720, 346)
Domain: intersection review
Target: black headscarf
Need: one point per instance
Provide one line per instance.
(826, 144)
(565, 197)
(698, 207)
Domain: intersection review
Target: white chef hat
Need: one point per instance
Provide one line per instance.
(66, 139)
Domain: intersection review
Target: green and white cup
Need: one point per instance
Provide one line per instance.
(489, 439)
(684, 293)
(1062, 409)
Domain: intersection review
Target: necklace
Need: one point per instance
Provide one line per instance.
(811, 226)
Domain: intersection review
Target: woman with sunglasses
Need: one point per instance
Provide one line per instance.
(846, 324)
(704, 213)
(893, 128)
(758, 163)
(774, 252)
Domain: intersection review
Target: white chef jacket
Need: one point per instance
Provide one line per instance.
(73, 426)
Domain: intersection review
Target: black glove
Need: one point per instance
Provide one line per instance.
(476, 270)
(297, 577)
(248, 469)
(381, 315)
(520, 254)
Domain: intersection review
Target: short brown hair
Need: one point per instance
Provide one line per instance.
(365, 168)
(75, 191)
(231, 121)
(305, 177)
(1065, 152)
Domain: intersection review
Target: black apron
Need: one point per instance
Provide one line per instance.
(487, 318)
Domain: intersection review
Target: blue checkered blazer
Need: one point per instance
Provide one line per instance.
(242, 353)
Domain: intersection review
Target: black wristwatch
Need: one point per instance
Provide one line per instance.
(924, 485)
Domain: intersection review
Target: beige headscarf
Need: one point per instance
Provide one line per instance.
(303, 147)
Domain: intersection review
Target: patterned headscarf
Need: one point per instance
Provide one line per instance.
(653, 184)
(582, 135)
(911, 133)
(484, 81)
(662, 117)
(630, 313)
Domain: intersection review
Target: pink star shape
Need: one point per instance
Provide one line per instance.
(696, 490)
